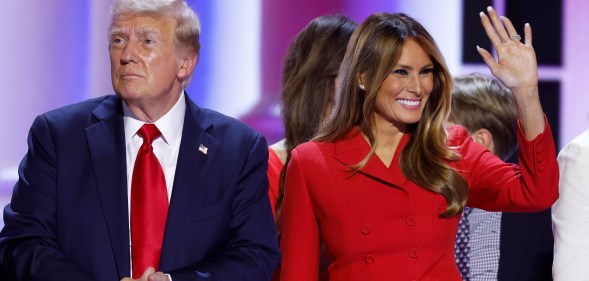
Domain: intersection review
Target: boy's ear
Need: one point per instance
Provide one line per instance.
(485, 138)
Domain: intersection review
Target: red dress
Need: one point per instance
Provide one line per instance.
(274, 167)
(377, 225)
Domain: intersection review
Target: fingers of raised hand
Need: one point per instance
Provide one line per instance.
(498, 26)
(500, 29)
(528, 34)
(490, 30)
(511, 32)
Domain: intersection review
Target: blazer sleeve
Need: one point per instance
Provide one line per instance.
(28, 243)
(251, 252)
(299, 241)
(570, 214)
(499, 186)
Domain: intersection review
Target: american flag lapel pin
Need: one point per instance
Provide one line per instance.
(203, 149)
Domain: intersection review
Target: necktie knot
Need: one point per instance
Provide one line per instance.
(466, 211)
(149, 132)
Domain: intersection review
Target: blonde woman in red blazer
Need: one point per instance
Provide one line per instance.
(383, 185)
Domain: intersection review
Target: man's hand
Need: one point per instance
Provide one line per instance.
(149, 275)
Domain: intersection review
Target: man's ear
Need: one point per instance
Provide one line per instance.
(485, 138)
(187, 66)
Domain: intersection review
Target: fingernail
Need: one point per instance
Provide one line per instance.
(478, 48)
(489, 8)
(481, 14)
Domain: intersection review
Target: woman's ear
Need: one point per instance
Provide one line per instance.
(484, 138)
(362, 82)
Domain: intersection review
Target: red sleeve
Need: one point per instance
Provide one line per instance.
(499, 186)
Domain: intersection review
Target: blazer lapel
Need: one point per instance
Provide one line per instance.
(197, 151)
(351, 149)
(106, 143)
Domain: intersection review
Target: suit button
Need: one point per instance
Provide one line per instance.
(540, 167)
(413, 253)
(365, 229)
(410, 220)
(369, 259)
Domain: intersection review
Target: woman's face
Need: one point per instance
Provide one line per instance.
(404, 92)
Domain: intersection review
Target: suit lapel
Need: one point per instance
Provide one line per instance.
(351, 149)
(106, 143)
(197, 151)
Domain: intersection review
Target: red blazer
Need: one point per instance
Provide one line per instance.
(377, 225)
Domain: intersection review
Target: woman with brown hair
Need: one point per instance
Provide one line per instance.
(308, 88)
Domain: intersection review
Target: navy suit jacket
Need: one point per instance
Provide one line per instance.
(68, 217)
(526, 247)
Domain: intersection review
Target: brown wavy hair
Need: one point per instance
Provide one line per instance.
(373, 51)
(308, 80)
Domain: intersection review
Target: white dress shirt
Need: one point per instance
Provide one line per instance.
(570, 213)
(165, 148)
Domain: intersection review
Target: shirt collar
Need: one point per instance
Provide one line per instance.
(170, 125)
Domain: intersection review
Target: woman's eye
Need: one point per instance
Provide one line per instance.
(400, 71)
(428, 70)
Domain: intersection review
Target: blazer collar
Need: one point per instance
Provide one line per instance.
(352, 149)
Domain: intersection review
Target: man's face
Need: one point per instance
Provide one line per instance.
(145, 63)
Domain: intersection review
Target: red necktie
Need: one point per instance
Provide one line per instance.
(149, 205)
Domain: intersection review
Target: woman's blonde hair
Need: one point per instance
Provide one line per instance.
(373, 51)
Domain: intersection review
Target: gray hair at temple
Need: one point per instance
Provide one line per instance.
(188, 25)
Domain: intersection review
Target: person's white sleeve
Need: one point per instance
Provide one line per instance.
(570, 214)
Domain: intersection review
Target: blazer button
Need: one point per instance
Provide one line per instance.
(365, 229)
(410, 220)
(369, 259)
(540, 167)
(413, 253)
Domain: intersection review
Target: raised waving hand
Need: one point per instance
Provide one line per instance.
(516, 67)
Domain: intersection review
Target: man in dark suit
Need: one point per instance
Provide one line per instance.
(77, 212)
(502, 246)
